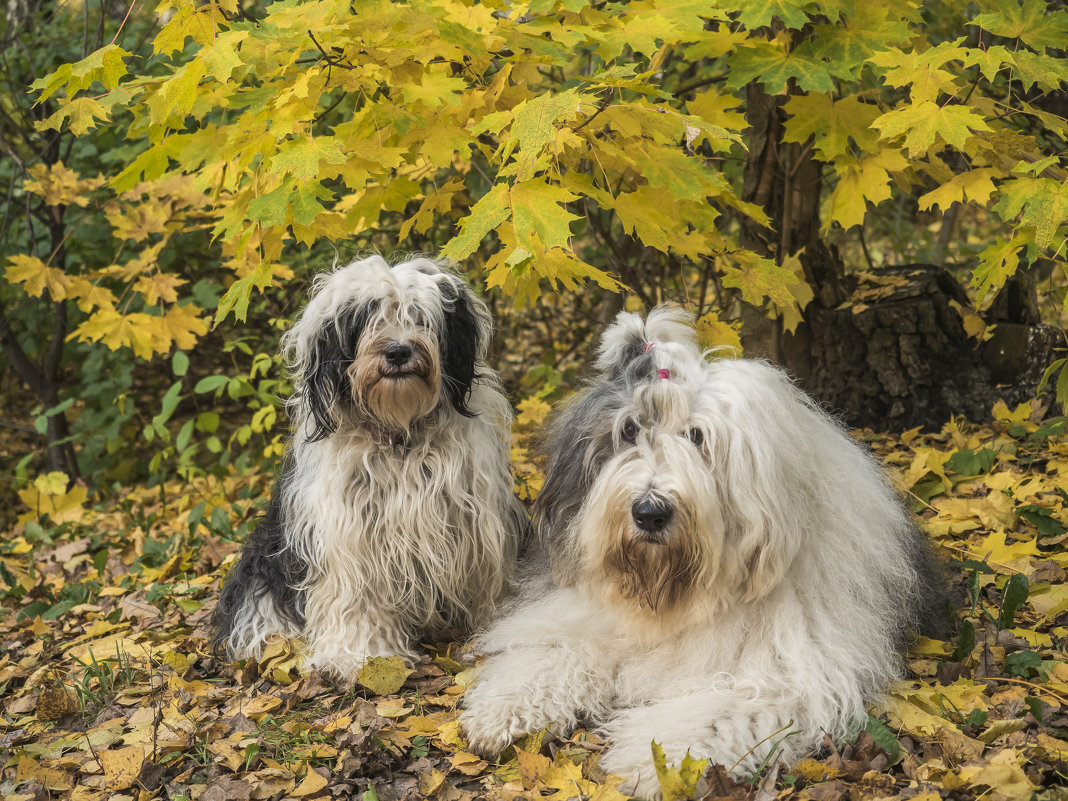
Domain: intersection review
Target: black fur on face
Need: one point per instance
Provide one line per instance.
(463, 341)
(326, 386)
(266, 569)
(579, 444)
(580, 441)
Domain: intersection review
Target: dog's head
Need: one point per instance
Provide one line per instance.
(654, 488)
(385, 346)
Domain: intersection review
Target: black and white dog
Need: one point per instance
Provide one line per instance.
(394, 516)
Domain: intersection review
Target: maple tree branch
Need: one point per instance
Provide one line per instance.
(603, 105)
(331, 61)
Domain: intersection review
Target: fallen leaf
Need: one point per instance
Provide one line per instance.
(122, 767)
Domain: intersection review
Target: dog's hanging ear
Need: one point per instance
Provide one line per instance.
(464, 341)
(764, 472)
(761, 520)
(666, 336)
(323, 384)
(578, 442)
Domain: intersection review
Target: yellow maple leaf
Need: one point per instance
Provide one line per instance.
(159, 287)
(183, 325)
(1003, 773)
(60, 186)
(1002, 555)
(88, 295)
(532, 412)
(61, 507)
(54, 483)
(1018, 416)
(722, 335)
(904, 714)
(37, 277)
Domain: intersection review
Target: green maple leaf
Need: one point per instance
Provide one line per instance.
(177, 94)
(773, 65)
(681, 176)
(302, 157)
(1041, 202)
(82, 112)
(305, 202)
(922, 123)
(990, 61)
(997, 263)
(533, 126)
(434, 89)
(104, 65)
(489, 212)
(759, 277)
(859, 181)
(1032, 22)
(642, 214)
(868, 28)
(536, 210)
(270, 208)
(758, 13)
(831, 123)
(238, 295)
(642, 33)
(220, 60)
(1047, 71)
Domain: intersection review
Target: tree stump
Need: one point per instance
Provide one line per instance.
(897, 355)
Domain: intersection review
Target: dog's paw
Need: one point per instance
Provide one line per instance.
(639, 775)
(489, 731)
(637, 771)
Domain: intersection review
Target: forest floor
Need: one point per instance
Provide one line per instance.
(108, 688)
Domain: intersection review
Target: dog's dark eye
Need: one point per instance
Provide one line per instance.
(697, 436)
(629, 432)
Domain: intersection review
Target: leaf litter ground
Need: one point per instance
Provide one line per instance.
(108, 689)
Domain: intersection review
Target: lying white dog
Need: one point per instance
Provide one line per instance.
(725, 567)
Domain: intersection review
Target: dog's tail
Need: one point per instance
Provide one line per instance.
(666, 335)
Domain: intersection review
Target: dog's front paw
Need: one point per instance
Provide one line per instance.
(636, 770)
(489, 731)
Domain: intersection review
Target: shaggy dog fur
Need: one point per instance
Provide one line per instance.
(724, 566)
(394, 516)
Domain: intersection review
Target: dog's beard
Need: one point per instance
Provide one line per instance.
(396, 397)
(655, 573)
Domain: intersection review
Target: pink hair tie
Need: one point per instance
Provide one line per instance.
(646, 346)
(663, 372)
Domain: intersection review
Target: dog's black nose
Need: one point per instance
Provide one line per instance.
(398, 354)
(651, 515)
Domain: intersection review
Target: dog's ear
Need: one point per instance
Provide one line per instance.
(665, 338)
(578, 442)
(763, 472)
(464, 341)
(324, 383)
(760, 516)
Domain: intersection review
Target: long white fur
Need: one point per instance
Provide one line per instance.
(395, 550)
(791, 626)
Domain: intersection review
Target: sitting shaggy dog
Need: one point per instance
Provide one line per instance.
(394, 516)
(724, 566)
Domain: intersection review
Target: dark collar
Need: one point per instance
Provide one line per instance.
(386, 437)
